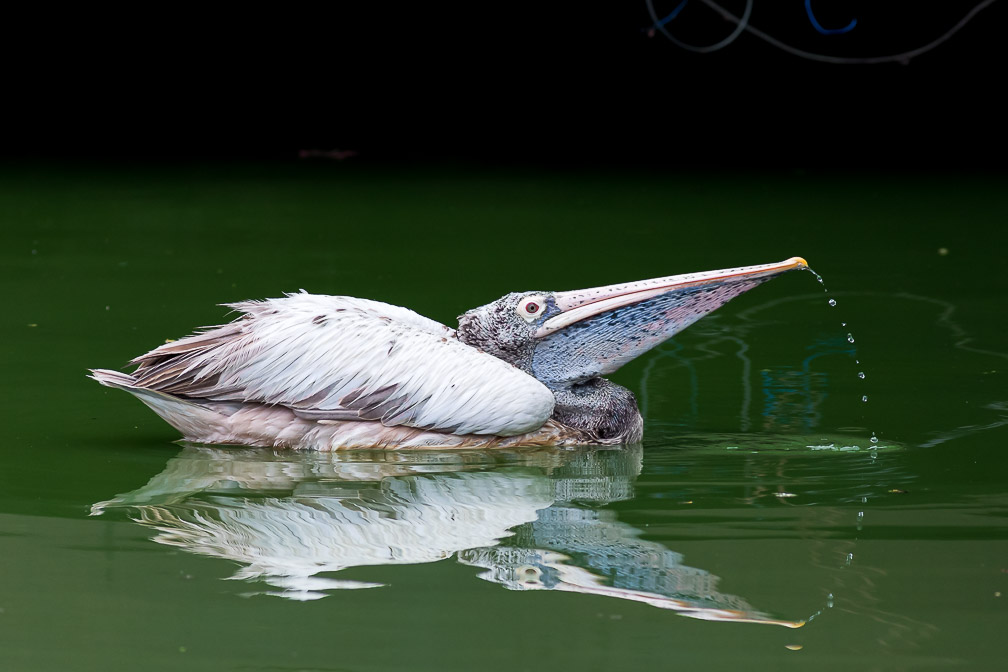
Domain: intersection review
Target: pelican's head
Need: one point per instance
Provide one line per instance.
(566, 338)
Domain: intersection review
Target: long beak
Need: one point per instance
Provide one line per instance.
(598, 330)
(581, 304)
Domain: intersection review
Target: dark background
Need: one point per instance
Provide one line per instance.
(537, 83)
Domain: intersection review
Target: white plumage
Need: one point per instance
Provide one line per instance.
(330, 359)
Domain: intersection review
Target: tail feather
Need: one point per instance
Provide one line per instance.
(122, 381)
(196, 421)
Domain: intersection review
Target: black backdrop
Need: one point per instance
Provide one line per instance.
(543, 83)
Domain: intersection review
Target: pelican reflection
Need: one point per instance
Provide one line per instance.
(532, 520)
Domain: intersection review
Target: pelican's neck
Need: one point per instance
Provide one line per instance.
(600, 407)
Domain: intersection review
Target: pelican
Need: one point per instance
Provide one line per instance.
(334, 372)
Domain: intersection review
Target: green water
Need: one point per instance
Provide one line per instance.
(757, 494)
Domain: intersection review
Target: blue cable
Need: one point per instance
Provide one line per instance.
(674, 13)
(811, 16)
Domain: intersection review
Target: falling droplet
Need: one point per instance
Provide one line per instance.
(829, 601)
(850, 339)
(849, 560)
(873, 439)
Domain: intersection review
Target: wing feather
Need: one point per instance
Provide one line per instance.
(335, 358)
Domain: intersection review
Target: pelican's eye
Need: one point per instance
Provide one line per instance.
(531, 307)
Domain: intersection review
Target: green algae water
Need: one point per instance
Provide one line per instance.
(758, 526)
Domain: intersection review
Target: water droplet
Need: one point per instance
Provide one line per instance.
(860, 374)
(873, 439)
(850, 337)
(864, 397)
(849, 560)
(832, 302)
(829, 600)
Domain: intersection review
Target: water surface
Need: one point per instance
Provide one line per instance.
(757, 502)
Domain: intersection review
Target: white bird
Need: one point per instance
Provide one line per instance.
(331, 372)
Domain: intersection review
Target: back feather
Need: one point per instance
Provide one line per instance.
(342, 358)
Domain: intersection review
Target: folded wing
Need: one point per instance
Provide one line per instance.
(341, 358)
